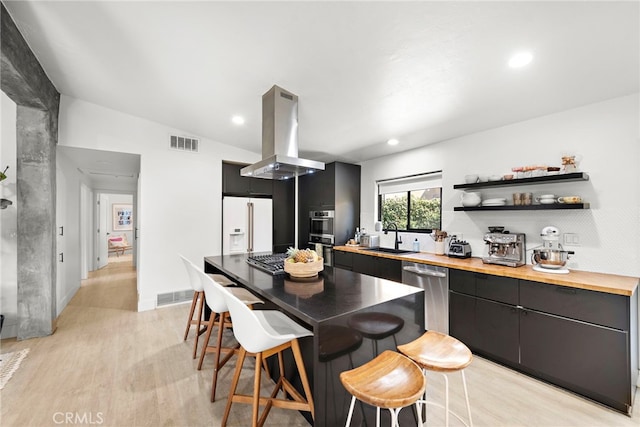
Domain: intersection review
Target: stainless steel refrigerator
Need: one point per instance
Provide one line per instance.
(247, 225)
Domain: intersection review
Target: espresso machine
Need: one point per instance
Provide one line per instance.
(505, 249)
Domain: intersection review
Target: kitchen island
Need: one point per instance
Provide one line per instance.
(324, 305)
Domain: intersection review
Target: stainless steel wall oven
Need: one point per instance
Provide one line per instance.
(321, 227)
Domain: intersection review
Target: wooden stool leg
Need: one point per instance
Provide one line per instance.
(234, 385)
(191, 310)
(216, 364)
(200, 296)
(210, 325)
(256, 391)
(297, 354)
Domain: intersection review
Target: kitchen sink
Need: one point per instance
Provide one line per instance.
(390, 250)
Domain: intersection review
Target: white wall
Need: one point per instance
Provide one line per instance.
(68, 208)
(605, 134)
(8, 220)
(180, 193)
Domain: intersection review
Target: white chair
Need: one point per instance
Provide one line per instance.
(217, 303)
(197, 301)
(263, 333)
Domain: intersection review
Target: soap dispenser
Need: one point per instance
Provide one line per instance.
(416, 245)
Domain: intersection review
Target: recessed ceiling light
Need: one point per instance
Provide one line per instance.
(237, 120)
(393, 141)
(520, 59)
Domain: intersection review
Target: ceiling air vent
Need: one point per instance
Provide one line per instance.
(183, 143)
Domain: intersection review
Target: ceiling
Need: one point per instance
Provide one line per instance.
(421, 72)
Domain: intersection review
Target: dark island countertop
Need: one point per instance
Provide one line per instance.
(327, 305)
(334, 293)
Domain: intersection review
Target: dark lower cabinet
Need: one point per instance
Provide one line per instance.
(385, 268)
(498, 331)
(591, 360)
(462, 318)
(584, 341)
(343, 260)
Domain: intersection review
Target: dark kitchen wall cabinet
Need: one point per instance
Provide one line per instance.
(233, 184)
(282, 192)
(582, 340)
(336, 188)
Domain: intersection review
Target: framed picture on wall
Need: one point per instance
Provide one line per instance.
(122, 217)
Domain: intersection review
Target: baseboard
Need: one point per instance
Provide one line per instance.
(146, 304)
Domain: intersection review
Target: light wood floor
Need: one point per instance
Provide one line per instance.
(109, 365)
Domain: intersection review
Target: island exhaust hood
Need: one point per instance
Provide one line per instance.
(280, 139)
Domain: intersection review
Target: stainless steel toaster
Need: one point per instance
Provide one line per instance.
(370, 241)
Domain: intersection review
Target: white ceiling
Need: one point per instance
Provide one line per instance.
(422, 72)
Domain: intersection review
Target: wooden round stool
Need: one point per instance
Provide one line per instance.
(438, 352)
(390, 381)
(376, 326)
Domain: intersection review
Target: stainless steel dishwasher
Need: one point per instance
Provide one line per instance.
(435, 282)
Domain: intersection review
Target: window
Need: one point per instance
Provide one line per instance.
(413, 203)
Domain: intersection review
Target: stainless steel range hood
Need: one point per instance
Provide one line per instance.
(280, 139)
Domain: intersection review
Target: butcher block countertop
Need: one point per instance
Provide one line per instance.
(609, 283)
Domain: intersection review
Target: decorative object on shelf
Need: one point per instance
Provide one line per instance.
(471, 199)
(303, 263)
(470, 179)
(569, 164)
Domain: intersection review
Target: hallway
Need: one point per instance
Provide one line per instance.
(109, 365)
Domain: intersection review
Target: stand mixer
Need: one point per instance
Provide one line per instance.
(551, 258)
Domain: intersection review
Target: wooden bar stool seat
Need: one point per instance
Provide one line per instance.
(376, 326)
(390, 381)
(438, 352)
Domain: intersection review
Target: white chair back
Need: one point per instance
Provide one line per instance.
(192, 271)
(252, 330)
(212, 294)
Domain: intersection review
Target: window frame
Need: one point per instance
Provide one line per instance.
(429, 176)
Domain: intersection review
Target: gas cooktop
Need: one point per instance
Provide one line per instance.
(271, 263)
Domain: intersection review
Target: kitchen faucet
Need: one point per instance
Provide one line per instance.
(397, 240)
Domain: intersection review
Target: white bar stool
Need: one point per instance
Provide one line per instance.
(196, 303)
(390, 381)
(438, 352)
(218, 305)
(263, 333)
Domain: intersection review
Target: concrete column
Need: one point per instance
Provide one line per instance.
(36, 177)
(25, 82)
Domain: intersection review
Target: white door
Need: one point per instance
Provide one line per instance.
(103, 249)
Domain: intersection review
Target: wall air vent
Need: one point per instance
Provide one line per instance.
(184, 143)
(174, 297)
